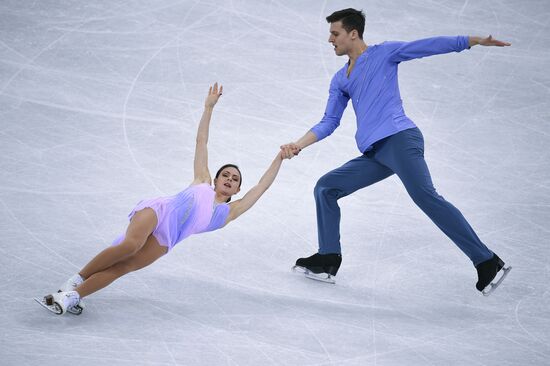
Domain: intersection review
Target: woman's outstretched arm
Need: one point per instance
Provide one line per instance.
(239, 207)
(201, 172)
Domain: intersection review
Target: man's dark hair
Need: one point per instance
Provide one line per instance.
(351, 19)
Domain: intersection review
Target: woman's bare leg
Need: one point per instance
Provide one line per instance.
(140, 228)
(150, 252)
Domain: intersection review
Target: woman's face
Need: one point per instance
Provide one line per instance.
(227, 183)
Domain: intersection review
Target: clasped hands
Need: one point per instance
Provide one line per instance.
(288, 151)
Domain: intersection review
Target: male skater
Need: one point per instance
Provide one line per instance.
(389, 141)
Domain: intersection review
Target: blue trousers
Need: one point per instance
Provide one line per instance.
(402, 154)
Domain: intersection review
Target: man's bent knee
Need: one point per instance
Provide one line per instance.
(423, 196)
(324, 188)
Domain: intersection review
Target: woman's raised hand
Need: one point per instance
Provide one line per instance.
(213, 95)
(288, 151)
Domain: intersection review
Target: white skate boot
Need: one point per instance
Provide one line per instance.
(60, 302)
(71, 284)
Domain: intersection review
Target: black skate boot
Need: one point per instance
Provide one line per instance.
(487, 271)
(320, 267)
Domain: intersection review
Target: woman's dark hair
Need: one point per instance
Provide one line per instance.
(351, 19)
(230, 166)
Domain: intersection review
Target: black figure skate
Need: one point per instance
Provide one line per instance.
(320, 267)
(486, 273)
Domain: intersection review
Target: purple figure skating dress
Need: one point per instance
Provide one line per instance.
(191, 211)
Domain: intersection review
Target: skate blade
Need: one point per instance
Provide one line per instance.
(321, 277)
(493, 285)
(54, 307)
(75, 310)
(299, 269)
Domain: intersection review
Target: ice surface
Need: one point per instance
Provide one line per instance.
(99, 105)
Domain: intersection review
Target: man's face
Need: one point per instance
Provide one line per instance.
(340, 38)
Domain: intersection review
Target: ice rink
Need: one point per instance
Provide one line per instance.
(99, 106)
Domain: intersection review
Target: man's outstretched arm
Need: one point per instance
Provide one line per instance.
(405, 51)
(291, 149)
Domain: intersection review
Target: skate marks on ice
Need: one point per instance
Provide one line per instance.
(494, 284)
(281, 318)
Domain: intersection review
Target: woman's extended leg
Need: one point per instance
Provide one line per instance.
(149, 252)
(140, 228)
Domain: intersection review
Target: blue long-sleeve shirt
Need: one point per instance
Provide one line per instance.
(374, 91)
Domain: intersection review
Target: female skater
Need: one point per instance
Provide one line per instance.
(157, 225)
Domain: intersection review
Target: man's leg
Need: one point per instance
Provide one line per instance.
(355, 174)
(404, 154)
